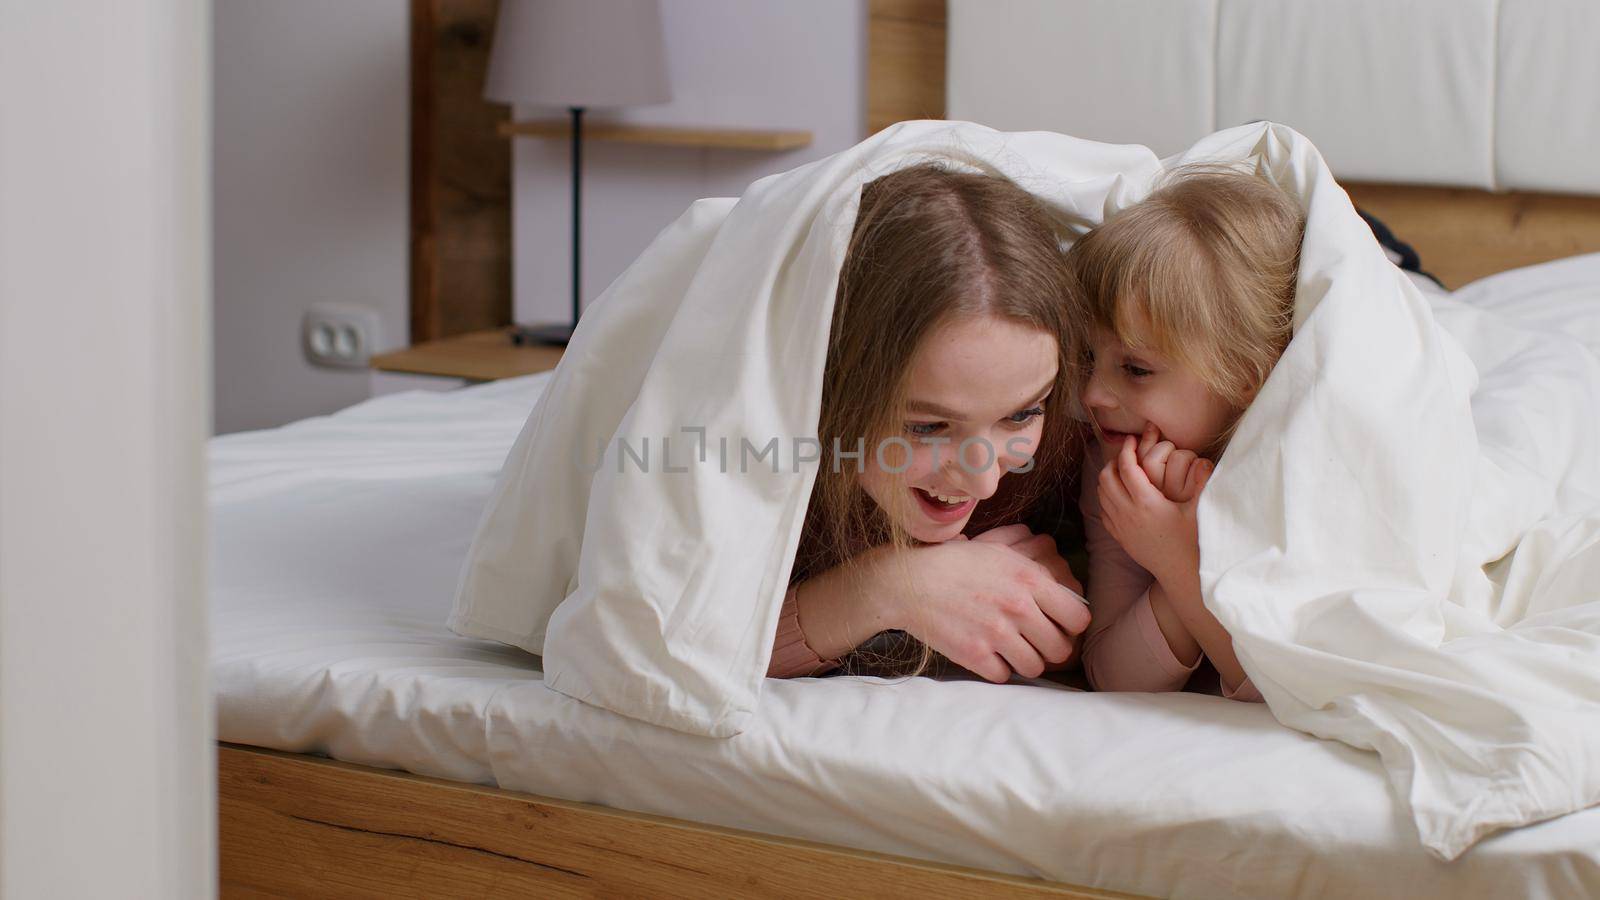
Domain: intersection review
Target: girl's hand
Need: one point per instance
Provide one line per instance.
(1159, 534)
(1176, 473)
(992, 605)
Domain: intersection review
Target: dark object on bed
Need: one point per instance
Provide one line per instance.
(1407, 256)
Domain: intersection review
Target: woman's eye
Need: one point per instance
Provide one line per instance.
(924, 428)
(1024, 416)
(1136, 371)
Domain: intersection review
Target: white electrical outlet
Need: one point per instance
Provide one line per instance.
(340, 334)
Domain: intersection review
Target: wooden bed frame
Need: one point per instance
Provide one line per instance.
(297, 825)
(302, 826)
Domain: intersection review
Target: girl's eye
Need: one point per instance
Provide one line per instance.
(1023, 416)
(1136, 371)
(923, 429)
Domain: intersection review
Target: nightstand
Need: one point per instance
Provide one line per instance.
(477, 356)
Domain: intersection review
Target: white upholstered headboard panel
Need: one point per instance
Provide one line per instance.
(1498, 94)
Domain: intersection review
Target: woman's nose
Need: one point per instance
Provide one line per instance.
(977, 470)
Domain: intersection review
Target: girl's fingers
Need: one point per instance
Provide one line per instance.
(1158, 462)
(1191, 484)
(1133, 478)
(1199, 474)
(1178, 471)
(1148, 440)
(1112, 491)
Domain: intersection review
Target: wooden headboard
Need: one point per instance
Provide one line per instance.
(1461, 234)
(461, 184)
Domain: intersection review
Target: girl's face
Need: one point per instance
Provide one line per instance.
(1129, 389)
(978, 385)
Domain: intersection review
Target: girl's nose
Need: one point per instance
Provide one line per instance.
(1095, 395)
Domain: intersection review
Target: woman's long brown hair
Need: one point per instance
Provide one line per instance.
(930, 247)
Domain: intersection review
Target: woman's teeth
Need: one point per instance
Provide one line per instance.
(948, 500)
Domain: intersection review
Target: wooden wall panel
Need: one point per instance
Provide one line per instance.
(905, 61)
(460, 174)
(1463, 234)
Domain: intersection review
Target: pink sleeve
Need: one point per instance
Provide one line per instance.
(1245, 693)
(1124, 649)
(791, 656)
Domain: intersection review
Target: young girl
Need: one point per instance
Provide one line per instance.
(944, 373)
(1191, 294)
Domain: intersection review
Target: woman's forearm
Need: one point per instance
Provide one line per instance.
(842, 608)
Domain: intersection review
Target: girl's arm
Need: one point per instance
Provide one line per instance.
(1127, 647)
(1163, 535)
(1202, 630)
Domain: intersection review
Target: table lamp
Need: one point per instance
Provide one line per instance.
(580, 54)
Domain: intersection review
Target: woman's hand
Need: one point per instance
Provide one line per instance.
(1159, 534)
(1041, 548)
(1003, 601)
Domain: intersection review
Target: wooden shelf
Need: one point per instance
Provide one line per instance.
(479, 356)
(664, 136)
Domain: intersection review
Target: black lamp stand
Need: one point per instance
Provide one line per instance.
(559, 333)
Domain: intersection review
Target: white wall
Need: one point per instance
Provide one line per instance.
(311, 112)
(107, 753)
(734, 63)
(311, 177)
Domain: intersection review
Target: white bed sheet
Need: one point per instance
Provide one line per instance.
(336, 547)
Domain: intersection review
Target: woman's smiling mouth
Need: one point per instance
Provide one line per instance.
(944, 508)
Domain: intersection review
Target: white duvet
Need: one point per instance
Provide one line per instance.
(1404, 541)
(1401, 537)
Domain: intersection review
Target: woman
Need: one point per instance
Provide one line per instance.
(950, 363)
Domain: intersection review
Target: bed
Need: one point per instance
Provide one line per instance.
(337, 542)
(369, 751)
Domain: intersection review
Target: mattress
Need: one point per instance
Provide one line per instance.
(337, 543)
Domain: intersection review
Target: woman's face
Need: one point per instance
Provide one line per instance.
(976, 395)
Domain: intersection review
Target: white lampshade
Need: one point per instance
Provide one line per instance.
(578, 53)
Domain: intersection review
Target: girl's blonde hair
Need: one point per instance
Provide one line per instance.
(929, 247)
(1205, 268)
